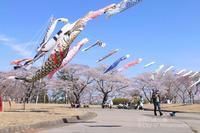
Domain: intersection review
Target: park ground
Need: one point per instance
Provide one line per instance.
(131, 121)
(16, 115)
(114, 120)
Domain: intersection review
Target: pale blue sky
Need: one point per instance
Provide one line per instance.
(165, 31)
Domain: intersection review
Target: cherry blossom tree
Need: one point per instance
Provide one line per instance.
(108, 84)
(78, 78)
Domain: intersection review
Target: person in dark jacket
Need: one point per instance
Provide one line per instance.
(156, 102)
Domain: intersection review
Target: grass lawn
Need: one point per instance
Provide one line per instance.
(177, 107)
(34, 113)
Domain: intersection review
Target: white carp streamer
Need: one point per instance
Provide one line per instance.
(197, 82)
(149, 64)
(122, 6)
(108, 55)
(188, 73)
(98, 43)
(181, 71)
(168, 69)
(193, 75)
(159, 69)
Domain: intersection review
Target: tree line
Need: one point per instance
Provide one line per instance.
(82, 84)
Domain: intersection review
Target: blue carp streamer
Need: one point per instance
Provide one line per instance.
(115, 64)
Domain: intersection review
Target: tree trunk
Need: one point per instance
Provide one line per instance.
(190, 99)
(149, 100)
(24, 107)
(105, 98)
(193, 99)
(66, 101)
(37, 97)
(90, 98)
(44, 97)
(28, 94)
(183, 99)
(77, 98)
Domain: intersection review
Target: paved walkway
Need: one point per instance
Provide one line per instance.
(128, 121)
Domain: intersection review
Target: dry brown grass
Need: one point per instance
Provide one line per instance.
(34, 113)
(177, 107)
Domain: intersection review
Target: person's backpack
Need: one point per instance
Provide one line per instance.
(153, 97)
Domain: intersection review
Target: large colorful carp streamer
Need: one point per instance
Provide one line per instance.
(168, 69)
(157, 71)
(47, 43)
(181, 71)
(122, 6)
(66, 30)
(196, 83)
(60, 51)
(130, 64)
(70, 55)
(187, 74)
(98, 43)
(116, 63)
(149, 64)
(54, 60)
(50, 30)
(108, 55)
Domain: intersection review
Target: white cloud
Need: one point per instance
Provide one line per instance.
(4, 38)
(22, 48)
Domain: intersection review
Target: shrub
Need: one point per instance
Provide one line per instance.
(117, 101)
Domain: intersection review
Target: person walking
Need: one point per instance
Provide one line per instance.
(140, 103)
(110, 103)
(156, 102)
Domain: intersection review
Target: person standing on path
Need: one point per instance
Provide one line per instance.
(156, 102)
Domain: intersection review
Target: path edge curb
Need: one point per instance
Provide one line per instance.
(64, 120)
